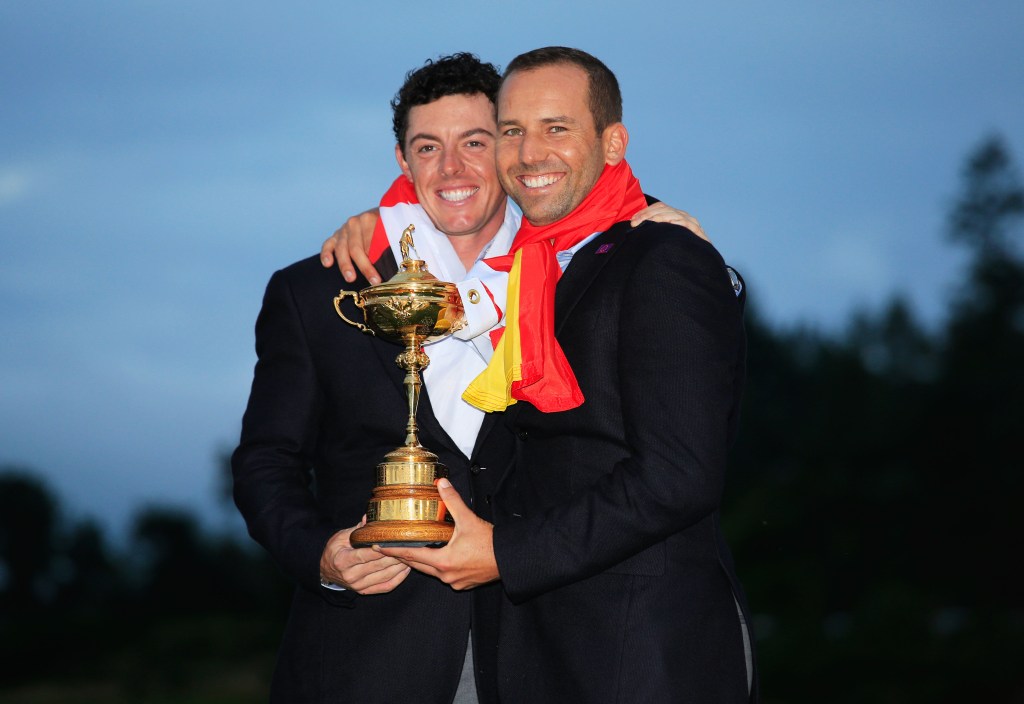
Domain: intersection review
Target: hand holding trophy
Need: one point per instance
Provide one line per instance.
(413, 308)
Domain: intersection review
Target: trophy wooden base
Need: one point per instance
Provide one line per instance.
(405, 509)
(412, 534)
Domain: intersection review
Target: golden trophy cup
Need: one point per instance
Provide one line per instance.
(413, 308)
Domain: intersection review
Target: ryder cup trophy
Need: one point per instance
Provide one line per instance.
(413, 308)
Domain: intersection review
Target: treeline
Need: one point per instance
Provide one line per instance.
(875, 505)
(873, 508)
(172, 613)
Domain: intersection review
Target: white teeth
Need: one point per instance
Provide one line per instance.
(457, 194)
(539, 181)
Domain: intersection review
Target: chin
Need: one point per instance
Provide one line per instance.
(540, 215)
(459, 229)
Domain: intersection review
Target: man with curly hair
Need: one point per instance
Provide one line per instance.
(327, 403)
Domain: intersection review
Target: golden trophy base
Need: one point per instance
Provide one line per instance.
(405, 509)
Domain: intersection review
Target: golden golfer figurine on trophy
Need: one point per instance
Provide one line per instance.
(412, 308)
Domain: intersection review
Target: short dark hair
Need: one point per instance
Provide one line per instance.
(458, 74)
(604, 96)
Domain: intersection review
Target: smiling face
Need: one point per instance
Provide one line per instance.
(449, 157)
(549, 152)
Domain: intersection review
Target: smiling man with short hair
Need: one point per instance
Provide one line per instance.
(607, 538)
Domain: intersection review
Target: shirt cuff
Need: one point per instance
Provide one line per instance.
(332, 586)
(481, 311)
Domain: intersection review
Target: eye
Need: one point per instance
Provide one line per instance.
(475, 143)
(556, 128)
(426, 148)
(513, 132)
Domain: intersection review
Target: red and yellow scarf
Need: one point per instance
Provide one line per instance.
(528, 363)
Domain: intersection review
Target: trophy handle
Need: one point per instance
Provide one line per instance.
(359, 304)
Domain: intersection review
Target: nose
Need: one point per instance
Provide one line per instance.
(451, 163)
(531, 149)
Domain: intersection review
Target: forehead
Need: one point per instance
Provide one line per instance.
(458, 113)
(558, 90)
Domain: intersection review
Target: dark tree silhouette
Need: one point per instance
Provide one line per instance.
(979, 411)
(28, 516)
(94, 575)
(876, 482)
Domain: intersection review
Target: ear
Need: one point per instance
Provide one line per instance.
(614, 140)
(402, 163)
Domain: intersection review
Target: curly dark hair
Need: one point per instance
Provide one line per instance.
(458, 74)
(605, 98)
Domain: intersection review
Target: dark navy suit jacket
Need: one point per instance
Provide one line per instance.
(608, 537)
(327, 403)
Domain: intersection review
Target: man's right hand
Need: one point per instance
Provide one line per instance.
(349, 245)
(362, 570)
(660, 212)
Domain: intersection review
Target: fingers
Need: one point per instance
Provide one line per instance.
(327, 250)
(381, 581)
(357, 568)
(693, 226)
(660, 212)
(362, 261)
(423, 559)
(453, 502)
(362, 229)
(364, 568)
(467, 560)
(349, 246)
(641, 215)
(342, 237)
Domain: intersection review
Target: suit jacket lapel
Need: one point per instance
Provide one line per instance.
(490, 419)
(509, 418)
(428, 424)
(585, 265)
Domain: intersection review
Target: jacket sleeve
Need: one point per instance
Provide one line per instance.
(679, 367)
(272, 466)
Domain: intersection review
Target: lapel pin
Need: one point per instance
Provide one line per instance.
(604, 249)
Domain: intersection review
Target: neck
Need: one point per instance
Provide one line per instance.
(468, 247)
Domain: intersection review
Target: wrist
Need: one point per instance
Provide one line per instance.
(333, 586)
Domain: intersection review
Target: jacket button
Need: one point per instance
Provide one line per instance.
(487, 499)
(522, 434)
(475, 468)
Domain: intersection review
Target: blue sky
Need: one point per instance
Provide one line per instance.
(159, 160)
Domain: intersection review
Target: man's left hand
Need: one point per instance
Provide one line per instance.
(467, 560)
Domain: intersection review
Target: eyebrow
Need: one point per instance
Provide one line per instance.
(474, 131)
(544, 120)
(467, 133)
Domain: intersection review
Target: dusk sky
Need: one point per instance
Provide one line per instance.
(159, 160)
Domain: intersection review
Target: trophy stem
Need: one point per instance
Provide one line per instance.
(405, 508)
(412, 361)
(413, 308)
